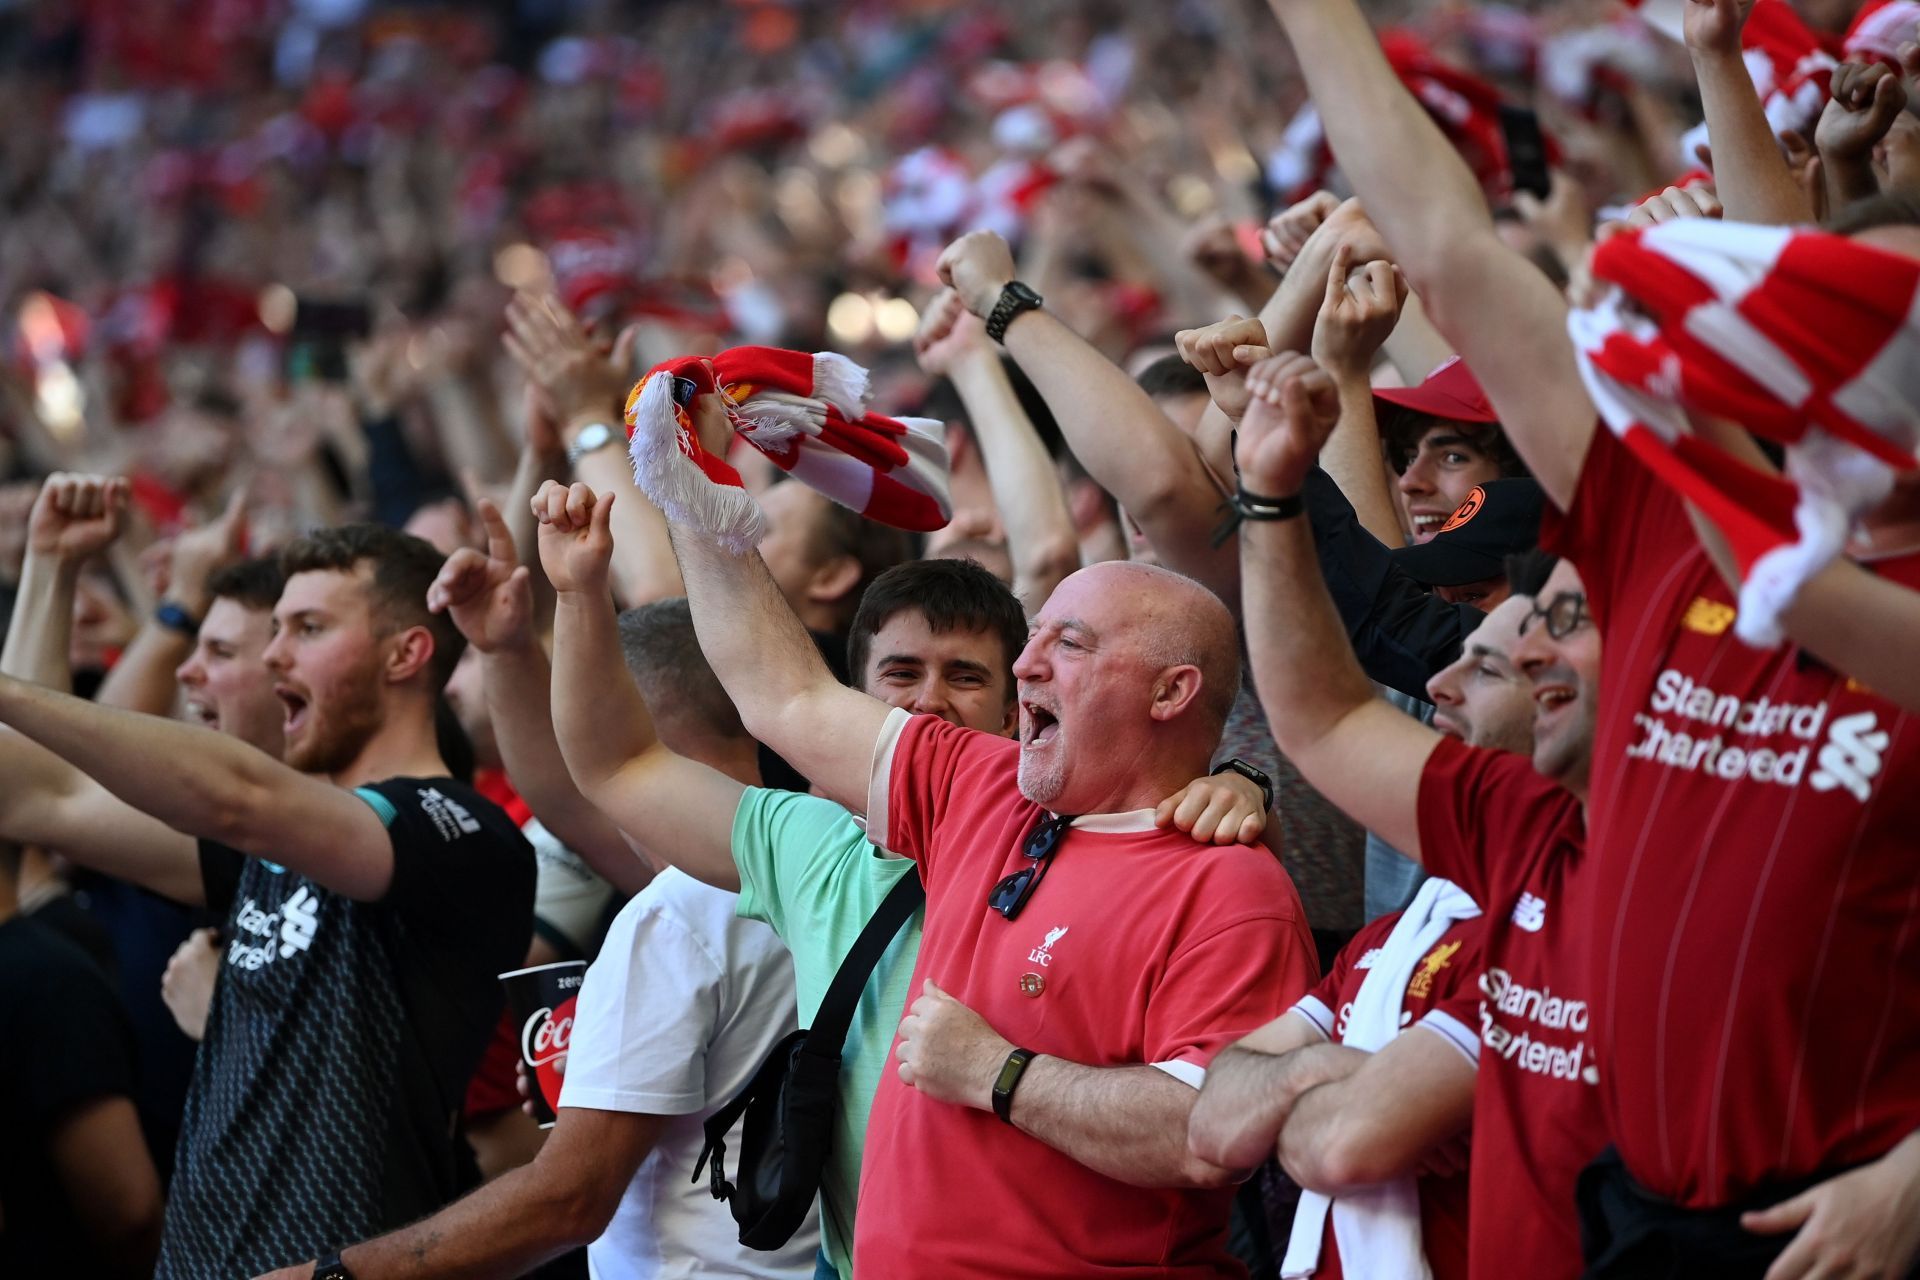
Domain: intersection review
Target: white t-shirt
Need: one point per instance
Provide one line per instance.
(676, 1015)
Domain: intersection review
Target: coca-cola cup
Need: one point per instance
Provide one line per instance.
(541, 1000)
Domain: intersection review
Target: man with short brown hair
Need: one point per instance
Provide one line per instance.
(368, 902)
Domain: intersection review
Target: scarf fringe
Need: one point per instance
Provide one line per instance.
(673, 482)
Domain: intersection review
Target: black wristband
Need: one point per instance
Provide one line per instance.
(331, 1268)
(1009, 1078)
(1255, 506)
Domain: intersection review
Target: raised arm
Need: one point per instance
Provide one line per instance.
(143, 678)
(679, 809)
(206, 784)
(489, 598)
(583, 389)
(1749, 173)
(1361, 310)
(74, 518)
(1867, 99)
(1504, 317)
(772, 670)
(1380, 1121)
(47, 801)
(1355, 749)
(952, 343)
(1127, 445)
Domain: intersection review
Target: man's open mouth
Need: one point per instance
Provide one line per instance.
(296, 705)
(1041, 726)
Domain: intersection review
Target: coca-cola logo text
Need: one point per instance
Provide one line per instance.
(544, 1037)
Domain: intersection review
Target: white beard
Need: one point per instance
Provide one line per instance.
(1043, 781)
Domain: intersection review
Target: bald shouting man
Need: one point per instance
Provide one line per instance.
(1073, 945)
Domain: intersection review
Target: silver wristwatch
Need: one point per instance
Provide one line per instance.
(596, 435)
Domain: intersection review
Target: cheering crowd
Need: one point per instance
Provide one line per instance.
(1186, 640)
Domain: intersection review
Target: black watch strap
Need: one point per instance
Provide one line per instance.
(1014, 299)
(331, 1268)
(1251, 774)
(1009, 1078)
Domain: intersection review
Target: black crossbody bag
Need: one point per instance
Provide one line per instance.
(790, 1101)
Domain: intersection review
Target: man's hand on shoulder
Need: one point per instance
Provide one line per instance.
(1221, 808)
(576, 541)
(489, 596)
(948, 1052)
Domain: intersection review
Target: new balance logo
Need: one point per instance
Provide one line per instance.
(1530, 913)
(450, 817)
(1852, 756)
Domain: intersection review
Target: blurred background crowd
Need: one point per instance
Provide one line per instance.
(236, 223)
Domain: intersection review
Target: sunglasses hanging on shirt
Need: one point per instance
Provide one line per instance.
(1011, 894)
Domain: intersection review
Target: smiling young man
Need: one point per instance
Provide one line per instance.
(369, 900)
(931, 637)
(1442, 439)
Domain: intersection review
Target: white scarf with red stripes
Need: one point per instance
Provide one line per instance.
(808, 415)
(1808, 339)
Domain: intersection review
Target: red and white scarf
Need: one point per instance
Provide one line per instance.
(805, 412)
(1808, 339)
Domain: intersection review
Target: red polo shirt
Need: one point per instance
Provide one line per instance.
(1138, 947)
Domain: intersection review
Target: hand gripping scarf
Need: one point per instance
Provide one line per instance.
(805, 412)
(1808, 339)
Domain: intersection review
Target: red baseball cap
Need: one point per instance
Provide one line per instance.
(1450, 392)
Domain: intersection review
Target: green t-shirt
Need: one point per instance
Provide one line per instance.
(807, 870)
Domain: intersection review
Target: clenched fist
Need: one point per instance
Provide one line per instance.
(77, 516)
(977, 266)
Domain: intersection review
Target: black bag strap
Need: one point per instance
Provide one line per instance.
(828, 1035)
(830, 1022)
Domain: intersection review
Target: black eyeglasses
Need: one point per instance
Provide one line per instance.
(1011, 894)
(1564, 614)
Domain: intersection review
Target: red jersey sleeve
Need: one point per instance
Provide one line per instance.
(1226, 983)
(1455, 1010)
(1485, 816)
(1622, 519)
(1321, 1006)
(922, 768)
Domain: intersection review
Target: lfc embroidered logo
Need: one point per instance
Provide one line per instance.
(1421, 984)
(1042, 955)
